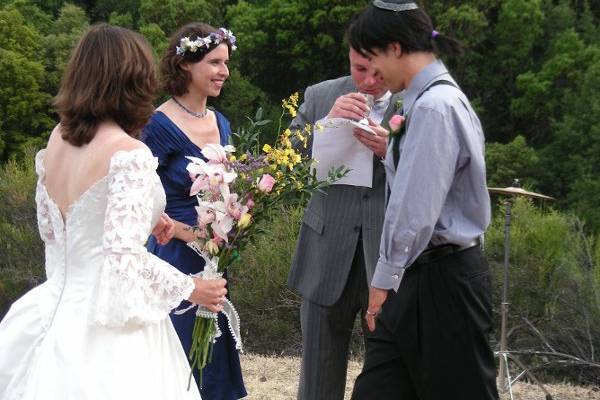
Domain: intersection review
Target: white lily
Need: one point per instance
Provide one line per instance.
(206, 214)
(214, 152)
(223, 223)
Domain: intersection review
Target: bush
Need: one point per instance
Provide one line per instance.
(21, 250)
(269, 311)
(554, 288)
(554, 291)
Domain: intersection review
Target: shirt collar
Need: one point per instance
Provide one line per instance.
(427, 75)
(385, 97)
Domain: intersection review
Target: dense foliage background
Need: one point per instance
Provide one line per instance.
(531, 68)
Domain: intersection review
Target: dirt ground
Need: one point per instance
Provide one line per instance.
(276, 378)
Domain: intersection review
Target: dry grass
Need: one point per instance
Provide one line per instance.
(276, 378)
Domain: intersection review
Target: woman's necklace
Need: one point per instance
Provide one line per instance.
(200, 114)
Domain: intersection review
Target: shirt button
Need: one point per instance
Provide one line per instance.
(356, 228)
(365, 197)
(395, 277)
(406, 249)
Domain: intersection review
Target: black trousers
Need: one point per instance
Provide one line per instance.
(431, 338)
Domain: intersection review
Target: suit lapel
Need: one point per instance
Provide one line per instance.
(391, 110)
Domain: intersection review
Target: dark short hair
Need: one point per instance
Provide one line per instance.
(174, 79)
(375, 28)
(110, 76)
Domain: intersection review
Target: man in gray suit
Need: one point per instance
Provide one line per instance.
(338, 245)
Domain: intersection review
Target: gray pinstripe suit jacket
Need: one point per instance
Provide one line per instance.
(332, 222)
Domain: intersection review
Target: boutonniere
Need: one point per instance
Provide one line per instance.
(397, 120)
(396, 123)
(398, 105)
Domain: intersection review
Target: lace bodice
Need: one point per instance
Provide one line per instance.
(97, 251)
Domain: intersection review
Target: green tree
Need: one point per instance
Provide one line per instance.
(171, 14)
(541, 98)
(514, 160)
(587, 27)
(60, 42)
(572, 160)
(103, 10)
(239, 98)
(469, 24)
(124, 20)
(23, 104)
(32, 14)
(156, 36)
(515, 35)
(287, 44)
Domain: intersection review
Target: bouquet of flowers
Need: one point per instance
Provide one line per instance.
(235, 187)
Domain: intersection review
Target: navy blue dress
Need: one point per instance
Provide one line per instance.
(222, 378)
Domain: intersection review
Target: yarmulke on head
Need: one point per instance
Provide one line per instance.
(395, 5)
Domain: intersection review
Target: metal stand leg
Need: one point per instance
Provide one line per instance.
(505, 370)
(506, 381)
(527, 372)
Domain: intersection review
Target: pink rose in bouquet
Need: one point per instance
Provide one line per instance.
(266, 183)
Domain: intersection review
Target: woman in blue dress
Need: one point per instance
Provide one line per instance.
(193, 68)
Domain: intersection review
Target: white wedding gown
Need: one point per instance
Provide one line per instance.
(98, 328)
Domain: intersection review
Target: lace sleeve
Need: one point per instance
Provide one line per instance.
(134, 287)
(42, 203)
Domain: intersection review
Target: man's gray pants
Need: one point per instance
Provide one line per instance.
(326, 334)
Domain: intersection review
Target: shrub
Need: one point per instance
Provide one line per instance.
(554, 290)
(21, 250)
(269, 311)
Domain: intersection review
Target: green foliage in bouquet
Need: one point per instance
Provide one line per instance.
(239, 185)
(236, 188)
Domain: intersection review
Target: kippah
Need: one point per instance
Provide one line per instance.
(395, 5)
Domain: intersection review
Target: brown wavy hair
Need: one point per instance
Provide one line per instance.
(175, 80)
(110, 77)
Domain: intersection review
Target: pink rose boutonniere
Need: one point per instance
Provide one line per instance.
(396, 123)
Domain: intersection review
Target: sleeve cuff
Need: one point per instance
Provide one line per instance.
(387, 276)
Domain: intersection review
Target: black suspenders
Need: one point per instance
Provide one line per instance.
(396, 139)
(395, 142)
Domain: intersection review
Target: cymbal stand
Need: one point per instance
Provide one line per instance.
(506, 381)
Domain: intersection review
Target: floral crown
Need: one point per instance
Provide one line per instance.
(185, 44)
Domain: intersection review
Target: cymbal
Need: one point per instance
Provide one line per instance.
(516, 191)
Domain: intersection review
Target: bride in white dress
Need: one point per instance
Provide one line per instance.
(98, 328)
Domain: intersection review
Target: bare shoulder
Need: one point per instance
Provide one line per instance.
(56, 132)
(113, 139)
(55, 137)
(165, 107)
(128, 143)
